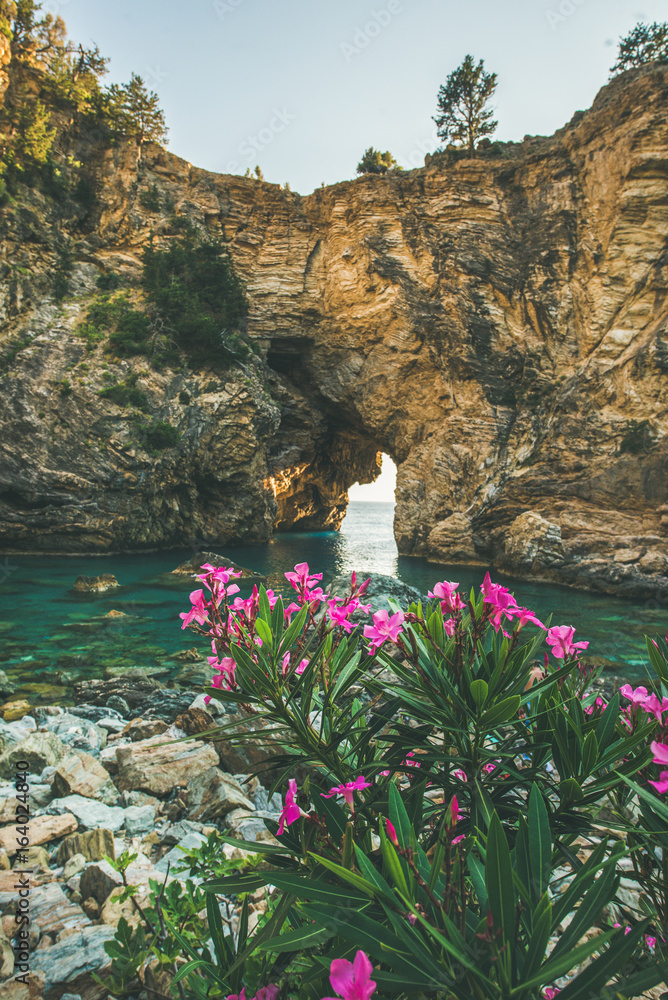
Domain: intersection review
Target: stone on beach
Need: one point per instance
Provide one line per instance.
(81, 774)
(158, 766)
(43, 829)
(38, 750)
(90, 813)
(92, 844)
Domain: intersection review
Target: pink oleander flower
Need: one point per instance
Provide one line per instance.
(302, 581)
(499, 598)
(449, 627)
(291, 811)
(560, 637)
(303, 664)
(225, 668)
(384, 774)
(269, 992)
(348, 789)
(523, 616)
(352, 980)
(488, 768)
(385, 627)
(650, 942)
(447, 592)
(637, 697)
(391, 833)
(460, 774)
(454, 810)
(340, 616)
(662, 784)
(410, 763)
(219, 576)
(199, 611)
(655, 707)
(660, 751)
(550, 992)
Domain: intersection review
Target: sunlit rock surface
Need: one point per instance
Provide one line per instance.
(498, 326)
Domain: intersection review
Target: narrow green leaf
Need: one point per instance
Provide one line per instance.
(297, 940)
(479, 690)
(540, 936)
(499, 882)
(540, 844)
(264, 631)
(399, 817)
(217, 930)
(501, 712)
(590, 754)
(344, 873)
(607, 965)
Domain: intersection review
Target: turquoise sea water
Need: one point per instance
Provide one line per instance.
(49, 637)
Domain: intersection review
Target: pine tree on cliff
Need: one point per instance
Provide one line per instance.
(375, 162)
(135, 111)
(647, 43)
(464, 115)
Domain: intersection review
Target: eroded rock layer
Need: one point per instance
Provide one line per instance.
(498, 326)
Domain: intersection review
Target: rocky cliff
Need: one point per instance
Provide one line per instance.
(497, 325)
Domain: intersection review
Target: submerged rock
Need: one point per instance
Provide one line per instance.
(380, 591)
(192, 567)
(95, 584)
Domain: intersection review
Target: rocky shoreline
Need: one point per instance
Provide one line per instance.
(102, 783)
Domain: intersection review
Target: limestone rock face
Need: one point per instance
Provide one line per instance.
(499, 326)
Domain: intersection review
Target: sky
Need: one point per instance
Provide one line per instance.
(382, 491)
(303, 87)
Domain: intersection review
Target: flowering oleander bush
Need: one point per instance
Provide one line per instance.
(460, 804)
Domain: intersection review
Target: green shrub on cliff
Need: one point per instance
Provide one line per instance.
(199, 298)
(375, 162)
(126, 393)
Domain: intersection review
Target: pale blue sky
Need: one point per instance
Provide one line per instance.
(312, 83)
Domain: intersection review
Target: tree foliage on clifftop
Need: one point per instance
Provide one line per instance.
(464, 116)
(55, 100)
(647, 43)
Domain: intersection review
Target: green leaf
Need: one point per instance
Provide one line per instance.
(479, 691)
(553, 970)
(597, 897)
(501, 712)
(657, 660)
(499, 882)
(603, 968)
(477, 874)
(606, 724)
(215, 921)
(352, 878)
(399, 817)
(571, 791)
(236, 884)
(540, 936)
(307, 887)
(264, 631)
(307, 936)
(540, 844)
(589, 754)
(394, 867)
(346, 674)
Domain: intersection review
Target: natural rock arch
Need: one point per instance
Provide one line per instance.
(498, 326)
